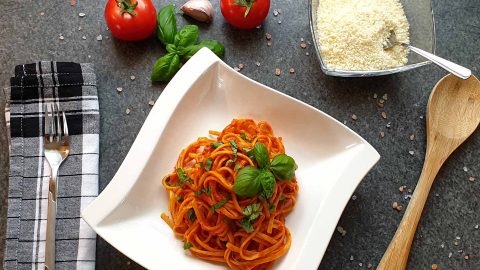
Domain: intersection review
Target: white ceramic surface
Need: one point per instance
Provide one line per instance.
(207, 94)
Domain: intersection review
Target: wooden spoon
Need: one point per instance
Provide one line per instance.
(453, 114)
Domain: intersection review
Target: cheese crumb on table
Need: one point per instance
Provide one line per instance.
(352, 34)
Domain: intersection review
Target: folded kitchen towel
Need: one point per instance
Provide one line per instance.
(72, 87)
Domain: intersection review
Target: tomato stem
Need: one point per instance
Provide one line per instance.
(245, 3)
(127, 7)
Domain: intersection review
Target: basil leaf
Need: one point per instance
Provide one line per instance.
(246, 183)
(283, 167)
(228, 162)
(244, 137)
(261, 155)
(220, 204)
(178, 198)
(191, 215)
(234, 147)
(237, 167)
(215, 46)
(165, 67)
(282, 198)
(206, 190)
(166, 25)
(187, 36)
(208, 164)
(216, 144)
(252, 211)
(267, 181)
(246, 224)
(187, 245)
(183, 177)
(171, 48)
(271, 208)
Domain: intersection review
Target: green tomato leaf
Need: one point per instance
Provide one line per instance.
(246, 183)
(261, 155)
(165, 67)
(187, 36)
(283, 167)
(167, 25)
(267, 180)
(215, 46)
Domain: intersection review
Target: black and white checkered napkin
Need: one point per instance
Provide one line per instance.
(72, 87)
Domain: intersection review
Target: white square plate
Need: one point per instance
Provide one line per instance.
(206, 94)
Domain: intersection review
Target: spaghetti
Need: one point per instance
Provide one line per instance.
(215, 223)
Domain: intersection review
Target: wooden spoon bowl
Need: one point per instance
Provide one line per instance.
(453, 114)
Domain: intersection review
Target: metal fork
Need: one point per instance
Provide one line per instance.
(56, 148)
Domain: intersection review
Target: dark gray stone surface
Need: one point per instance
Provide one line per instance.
(452, 209)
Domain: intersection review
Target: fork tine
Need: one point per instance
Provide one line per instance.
(65, 126)
(59, 127)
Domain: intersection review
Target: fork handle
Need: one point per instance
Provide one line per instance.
(451, 67)
(51, 224)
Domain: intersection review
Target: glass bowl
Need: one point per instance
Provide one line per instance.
(422, 35)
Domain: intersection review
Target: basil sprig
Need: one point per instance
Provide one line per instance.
(180, 45)
(251, 180)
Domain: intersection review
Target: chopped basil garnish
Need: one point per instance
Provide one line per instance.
(206, 190)
(237, 167)
(191, 215)
(234, 147)
(246, 225)
(183, 177)
(187, 245)
(252, 211)
(244, 137)
(220, 204)
(178, 198)
(282, 198)
(215, 145)
(208, 164)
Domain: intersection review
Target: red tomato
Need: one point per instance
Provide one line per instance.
(236, 12)
(131, 20)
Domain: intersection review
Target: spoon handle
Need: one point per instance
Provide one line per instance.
(396, 256)
(453, 68)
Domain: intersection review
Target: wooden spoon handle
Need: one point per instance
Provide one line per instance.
(396, 256)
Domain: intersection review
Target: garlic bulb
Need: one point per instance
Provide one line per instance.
(200, 10)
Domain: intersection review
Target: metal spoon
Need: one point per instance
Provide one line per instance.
(453, 68)
(453, 114)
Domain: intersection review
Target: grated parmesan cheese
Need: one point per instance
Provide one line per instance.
(352, 33)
